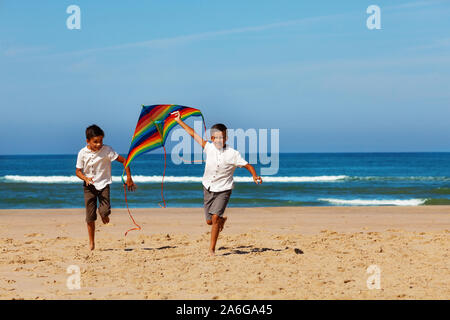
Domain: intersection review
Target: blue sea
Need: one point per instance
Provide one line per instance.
(315, 179)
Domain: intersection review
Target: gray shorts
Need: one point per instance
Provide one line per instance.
(91, 195)
(215, 202)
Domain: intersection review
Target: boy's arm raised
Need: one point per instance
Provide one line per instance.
(188, 129)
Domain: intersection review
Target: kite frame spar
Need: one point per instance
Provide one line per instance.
(152, 130)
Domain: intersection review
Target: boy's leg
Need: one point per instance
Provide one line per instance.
(222, 223)
(214, 233)
(222, 202)
(208, 199)
(104, 208)
(215, 202)
(91, 233)
(90, 201)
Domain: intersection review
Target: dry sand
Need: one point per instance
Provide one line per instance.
(263, 253)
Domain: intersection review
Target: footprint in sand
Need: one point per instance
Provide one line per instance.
(32, 235)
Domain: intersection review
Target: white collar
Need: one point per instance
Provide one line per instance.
(90, 151)
(224, 148)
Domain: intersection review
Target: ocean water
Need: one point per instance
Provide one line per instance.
(316, 179)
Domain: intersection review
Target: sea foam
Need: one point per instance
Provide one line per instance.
(155, 179)
(376, 202)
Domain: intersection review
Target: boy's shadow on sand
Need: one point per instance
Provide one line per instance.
(249, 249)
(237, 250)
(131, 249)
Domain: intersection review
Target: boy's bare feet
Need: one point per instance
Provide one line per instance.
(222, 223)
(212, 253)
(105, 219)
(91, 246)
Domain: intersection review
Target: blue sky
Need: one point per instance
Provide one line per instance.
(309, 68)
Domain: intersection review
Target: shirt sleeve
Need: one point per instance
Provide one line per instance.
(112, 155)
(238, 160)
(207, 146)
(80, 160)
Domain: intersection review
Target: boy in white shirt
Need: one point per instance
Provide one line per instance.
(94, 168)
(221, 161)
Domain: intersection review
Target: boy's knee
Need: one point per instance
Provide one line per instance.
(215, 219)
(91, 215)
(104, 212)
(90, 220)
(209, 222)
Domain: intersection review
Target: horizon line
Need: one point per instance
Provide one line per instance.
(290, 152)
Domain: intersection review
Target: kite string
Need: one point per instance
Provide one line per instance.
(126, 201)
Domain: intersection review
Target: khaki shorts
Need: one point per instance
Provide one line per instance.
(91, 195)
(215, 202)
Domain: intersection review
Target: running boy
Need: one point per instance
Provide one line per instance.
(221, 161)
(94, 168)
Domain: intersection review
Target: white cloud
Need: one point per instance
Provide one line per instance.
(177, 40)
(435, 44)
(416, 4)
(23, 50)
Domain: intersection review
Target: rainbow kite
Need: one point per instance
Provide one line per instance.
(153, 127)
(152, 130)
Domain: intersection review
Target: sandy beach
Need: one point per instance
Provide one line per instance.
(263, 253)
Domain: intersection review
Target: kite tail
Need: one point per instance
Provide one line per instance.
(162, 181)
(126, 201)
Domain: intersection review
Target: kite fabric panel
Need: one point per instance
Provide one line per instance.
(153, 127)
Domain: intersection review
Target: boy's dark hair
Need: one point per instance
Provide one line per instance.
(94, 131)
(219, 127)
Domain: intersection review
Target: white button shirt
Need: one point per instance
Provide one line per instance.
(97, 165)
(220, 166)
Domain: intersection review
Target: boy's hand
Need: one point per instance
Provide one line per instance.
(88, 181)
(176, 114)
(130, 185)
(257, 179)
